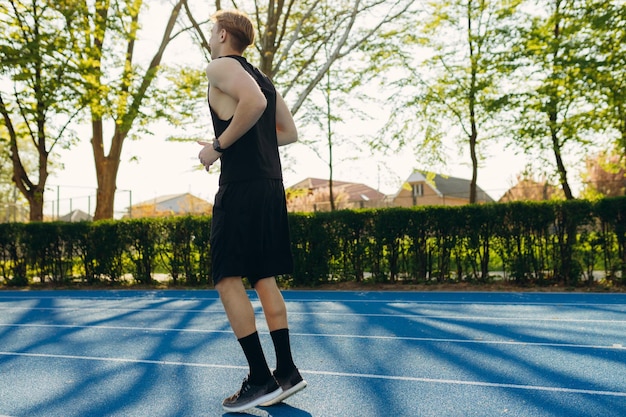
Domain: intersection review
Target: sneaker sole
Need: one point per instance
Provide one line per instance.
(265, 398)
(286, 394)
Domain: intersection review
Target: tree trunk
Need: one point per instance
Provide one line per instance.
(473, 186)
(268, 38)
(473, 139)
(35, 201)
(563, 175)
(107, 174)
(556, 147)
(32, 192)
(553, 112)
(107, 167)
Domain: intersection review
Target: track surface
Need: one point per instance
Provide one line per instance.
(172, 353)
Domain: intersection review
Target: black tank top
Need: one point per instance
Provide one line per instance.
(255, 154)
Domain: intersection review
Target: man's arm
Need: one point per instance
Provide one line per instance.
(228, 76)
(286, 131)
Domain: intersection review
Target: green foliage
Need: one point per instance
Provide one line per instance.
(605, 70)
(571, 218)
(13, 260)
(545, 77)
(521, 242)
(39, 101)
(353, 234)
(186, 251)
(456, 86)
(50, 251)
(611, 213)
(143, 237)
(568, 69)
(479, 224)
(311, 247)
(544, 243)
(105, 249)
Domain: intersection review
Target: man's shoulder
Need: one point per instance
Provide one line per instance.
(220, 67)
(224, 61)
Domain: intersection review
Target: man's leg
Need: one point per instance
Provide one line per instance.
(241, 317)
(260, 386)
(237, 306)
(276, 316)
(275, 312)
(273, 303)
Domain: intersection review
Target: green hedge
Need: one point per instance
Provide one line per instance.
(530, 243)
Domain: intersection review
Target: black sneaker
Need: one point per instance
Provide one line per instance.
(252, 395)
(290, 384)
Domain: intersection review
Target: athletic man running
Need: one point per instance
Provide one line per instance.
(249, 230)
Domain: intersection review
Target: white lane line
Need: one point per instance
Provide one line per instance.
(103, 327)
(328, 373)
(124, 309)
(467, 318)
(403, 301)
(614, 346)
(120, 360)
(474, 383)
(85, 296)
(324, 313)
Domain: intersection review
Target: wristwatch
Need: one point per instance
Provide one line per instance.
(216, 146)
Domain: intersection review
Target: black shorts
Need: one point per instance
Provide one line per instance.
(250, 231)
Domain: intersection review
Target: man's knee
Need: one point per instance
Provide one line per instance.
(229, 285)
(271, 297)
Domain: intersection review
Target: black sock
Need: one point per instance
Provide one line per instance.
(259, 371)
(284, 360)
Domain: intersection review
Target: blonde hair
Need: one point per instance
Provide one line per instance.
(238, 25)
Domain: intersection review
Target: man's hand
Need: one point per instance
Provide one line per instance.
(208, 155)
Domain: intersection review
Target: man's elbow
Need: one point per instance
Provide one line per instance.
(287, 137)
(293, 136)
(292, 139)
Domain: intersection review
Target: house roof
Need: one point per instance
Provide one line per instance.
(531, 190)
(167, 198)
(76, 216)
(355, 191)
(161, 199)
(176, 203)
(314, 183)
(449, 186)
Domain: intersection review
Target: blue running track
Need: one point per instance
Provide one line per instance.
(171, 353)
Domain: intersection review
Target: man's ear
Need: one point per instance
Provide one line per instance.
(223, 34)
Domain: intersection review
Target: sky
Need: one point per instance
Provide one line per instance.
(153, 167)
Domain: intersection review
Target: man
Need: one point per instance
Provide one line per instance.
(249, 230)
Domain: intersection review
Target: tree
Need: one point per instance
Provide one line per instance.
(115, 87)
(37, 102)
(13, 205)
(605, 36)
(12, 202)
(555, 112)
(325, 105)
(288, 50)
(300, 41)
(457, 88)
